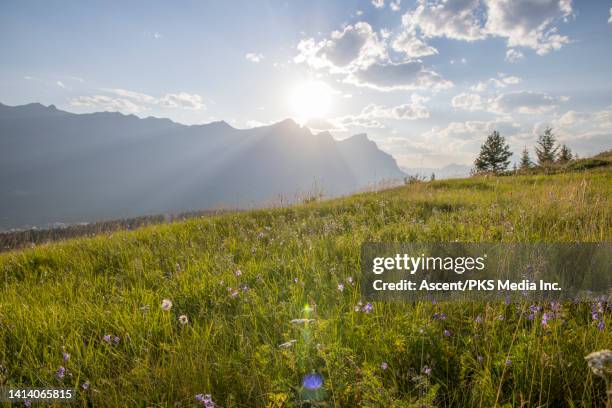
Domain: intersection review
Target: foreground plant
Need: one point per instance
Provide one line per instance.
(600, 363)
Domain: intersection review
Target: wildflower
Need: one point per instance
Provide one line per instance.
(545, 318)
(288, 344)
(480, 359)
(183, 319)
(384, 365)
(447, 333)
(27, 403)
(312, 381)
(478, 319)
(508, 361)
(530, 317)
(107, 338)
(600, 363)
(501, 318)
(534, 308)
(238, 272)
(85, 385)
(245, 288)
(350, 280)
(356, 308)
(426, 370)
(234, 293)
(205, 399)
(296, 280)
(166, 304)
(341, 287)
(367, 308)
(601, 325)
(65, 356)
(60, 373)
(555, 306)
(116, 340)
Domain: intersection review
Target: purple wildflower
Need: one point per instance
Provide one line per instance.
(384, 365)
(602, 325)
(107, 338)
(367, 308)
(530, 316)
(116, 340)
(545, 318)
(65, 356)
(341, 287)
(27, 403)
(350, 280)
(312, 381)
(508, 362)
(238, 272)
(426, 370)
(85, 385)
(447, 333)
(480, 359)
(478, 319)
(60, 373)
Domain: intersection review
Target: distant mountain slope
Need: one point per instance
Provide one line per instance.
(56, 166)
(446, 172)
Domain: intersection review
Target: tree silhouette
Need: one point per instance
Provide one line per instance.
(546, 149)
(494, 154)
(525, 162)
(565, 155)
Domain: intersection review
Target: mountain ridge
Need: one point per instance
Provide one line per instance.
(58, 166)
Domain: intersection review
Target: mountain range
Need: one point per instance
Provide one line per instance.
(61, 167)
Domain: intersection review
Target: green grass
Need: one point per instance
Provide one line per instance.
(68, 295)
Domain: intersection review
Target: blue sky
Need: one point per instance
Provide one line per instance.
(427, 80)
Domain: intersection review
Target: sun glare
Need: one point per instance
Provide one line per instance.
(311, 100)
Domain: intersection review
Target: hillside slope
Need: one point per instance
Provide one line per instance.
(240, 280)
(59, 167)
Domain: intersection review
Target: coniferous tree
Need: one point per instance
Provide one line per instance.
(565, 155)
(525, 162)
(494, 154)
(546, 149)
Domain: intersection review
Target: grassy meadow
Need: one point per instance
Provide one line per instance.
(263, 298)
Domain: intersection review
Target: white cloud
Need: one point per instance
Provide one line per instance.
(408, 43)
(254, 57)
(395, 5)
(378, 3)
(106, 103)
(467, 101)
(356, 46)
(456, 19)
(502, 82)
(528, 23)
(372, 114)
(526, 102)
(135, 102)
(523, 23)
(157, 35)
(610, 18)
(182, 100)
(472, 130)
(61, 84)
(410, 75)
(514, 55)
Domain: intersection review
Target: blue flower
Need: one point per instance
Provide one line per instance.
(312, 381)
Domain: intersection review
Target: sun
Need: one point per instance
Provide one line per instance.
(311, 100)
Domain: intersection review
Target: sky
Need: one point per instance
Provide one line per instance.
(427, 80)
